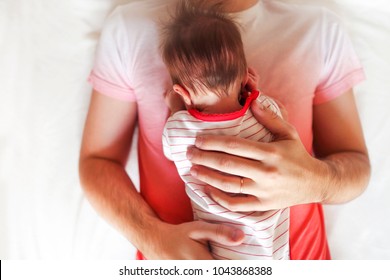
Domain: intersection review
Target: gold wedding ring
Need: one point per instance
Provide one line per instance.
(241, 184)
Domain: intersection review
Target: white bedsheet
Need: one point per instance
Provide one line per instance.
(46, 52)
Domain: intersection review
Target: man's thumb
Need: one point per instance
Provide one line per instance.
(268, 114)
(221, 234)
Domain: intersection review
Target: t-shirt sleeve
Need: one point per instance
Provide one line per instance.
(109, 74)
(341, 68)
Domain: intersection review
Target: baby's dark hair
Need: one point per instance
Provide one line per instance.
(202, 49)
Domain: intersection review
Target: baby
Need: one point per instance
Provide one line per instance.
(204, 55)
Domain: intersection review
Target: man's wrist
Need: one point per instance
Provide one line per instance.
(330, 180)
(150, 237)
(327, 180)
(346, 177)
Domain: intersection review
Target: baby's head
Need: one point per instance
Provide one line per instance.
(204, 54)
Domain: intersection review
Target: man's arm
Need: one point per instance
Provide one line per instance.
(106, 143)
(339, 142)
(282, 173)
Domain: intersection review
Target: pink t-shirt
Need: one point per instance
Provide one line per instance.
(303, 57)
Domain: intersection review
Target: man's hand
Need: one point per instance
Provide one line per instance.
(189, 241)
(282, 173)
(269, 175)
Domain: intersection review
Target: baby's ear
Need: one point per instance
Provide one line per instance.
(252, 80)
(245, 79)
(183, 92)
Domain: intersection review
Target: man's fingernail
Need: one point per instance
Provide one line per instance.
(237, 235)
(198, 141)
(194, 171)
(261, 106)
(190, 153)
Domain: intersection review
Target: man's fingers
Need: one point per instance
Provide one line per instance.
(221, 234)
(274, 123)
(225, 182)
(227, 163)
(283, 110)
(245, 203)
(234, 146)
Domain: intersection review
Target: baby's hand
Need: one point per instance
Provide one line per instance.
(253, 80)
(174, 101)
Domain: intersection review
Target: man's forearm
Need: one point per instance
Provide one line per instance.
(112, 193)
(348, 176)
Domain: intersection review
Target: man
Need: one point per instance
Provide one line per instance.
(303, 58)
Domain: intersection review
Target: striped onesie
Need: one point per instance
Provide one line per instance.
(267, 232)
